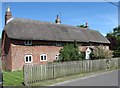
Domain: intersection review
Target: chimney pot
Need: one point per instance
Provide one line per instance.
(58, 21)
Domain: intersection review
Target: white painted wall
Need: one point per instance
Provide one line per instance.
(87, 53)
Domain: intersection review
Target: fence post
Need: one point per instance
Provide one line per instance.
(53, 70)
(25, 75)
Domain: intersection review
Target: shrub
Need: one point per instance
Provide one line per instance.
(101, 53)
(116, 53)
(70, 52)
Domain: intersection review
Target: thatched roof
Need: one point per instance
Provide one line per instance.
(25, 29)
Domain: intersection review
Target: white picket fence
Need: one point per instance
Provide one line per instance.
(34, 73)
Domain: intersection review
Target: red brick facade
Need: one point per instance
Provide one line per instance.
(15, 60)
(18, 53)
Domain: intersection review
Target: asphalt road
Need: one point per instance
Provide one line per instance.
(102, 79)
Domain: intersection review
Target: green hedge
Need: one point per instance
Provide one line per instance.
(116, 53)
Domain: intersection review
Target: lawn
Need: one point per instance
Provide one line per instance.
(12, 78)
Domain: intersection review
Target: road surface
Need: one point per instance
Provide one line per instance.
(102, 79)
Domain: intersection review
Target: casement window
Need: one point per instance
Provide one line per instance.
(28, 58)
(91, 44)
(58, 44)
(28, 42)
(43, 57)
(57, 57)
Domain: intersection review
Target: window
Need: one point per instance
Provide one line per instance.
(90, 44)
(28, 58)
(58, 44)
(28, 42)
(43, 57)
(57, 57)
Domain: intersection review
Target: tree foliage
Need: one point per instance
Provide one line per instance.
(114, 38)
(70, 52)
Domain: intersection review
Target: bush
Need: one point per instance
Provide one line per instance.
(116, 53)
(100, 53)
(70, 52)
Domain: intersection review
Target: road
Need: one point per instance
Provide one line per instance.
(102, 79)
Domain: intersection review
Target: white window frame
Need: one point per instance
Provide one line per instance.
(57, 56)
(28, 59)
(28, 42)
(43, 57)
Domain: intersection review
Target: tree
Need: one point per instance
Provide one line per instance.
(114, 38)
(70, 52)
(113, 42)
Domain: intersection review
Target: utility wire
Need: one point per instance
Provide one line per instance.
(112, 3)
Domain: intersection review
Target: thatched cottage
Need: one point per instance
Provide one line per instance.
(27, 41)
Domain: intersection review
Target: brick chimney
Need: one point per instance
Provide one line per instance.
(86, 25)
(8, 15)
(58, 21)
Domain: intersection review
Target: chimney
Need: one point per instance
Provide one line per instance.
(8, 15)
(86, 25)
(58, 21)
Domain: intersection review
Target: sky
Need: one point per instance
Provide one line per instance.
(101, 16)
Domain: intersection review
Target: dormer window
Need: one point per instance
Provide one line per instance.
(28, 42)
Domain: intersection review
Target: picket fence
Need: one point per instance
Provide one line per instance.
(34, 73)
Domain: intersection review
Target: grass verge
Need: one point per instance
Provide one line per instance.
(12, 78)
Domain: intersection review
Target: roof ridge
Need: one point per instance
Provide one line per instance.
(38, 21)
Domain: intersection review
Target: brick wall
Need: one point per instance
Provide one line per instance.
(14, 51)
(18, 53)
(6, 52)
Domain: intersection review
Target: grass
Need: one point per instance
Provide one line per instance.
(16, 78)
(12, 78)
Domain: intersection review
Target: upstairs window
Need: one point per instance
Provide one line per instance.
(43, 57)
(28, 42)
(58, 43)
(28, 58)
